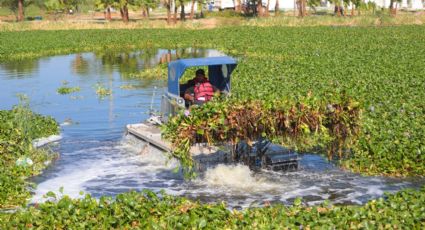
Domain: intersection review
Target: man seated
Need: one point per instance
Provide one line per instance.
(202, 91)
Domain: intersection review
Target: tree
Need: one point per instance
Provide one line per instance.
(107, 6)
(276, 8)
(192, 9)
(267, 13)
(313, 4)
(175, 11)
(301, 4)
(259, 8)
(62, 5)
(123, 6)
(238, 7)
(338, 7)
(167, 4)
(356, 4)
(182, 12)
(17, 7)
(393, 6)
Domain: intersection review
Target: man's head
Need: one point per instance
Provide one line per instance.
(200, 72)
(199, 76)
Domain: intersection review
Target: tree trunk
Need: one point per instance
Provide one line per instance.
(392, 12)
(124, 13)
(301, 8)
(267, 8)
(108, 13)
(259, 8)
(238, 7)
(147, 12)
(20, 10)
(276, 8)
(175, 11)
(395, 10)
(352, 10)
(192, 9)
(168, 5)
(182, 13)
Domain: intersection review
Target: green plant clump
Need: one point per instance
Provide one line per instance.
(306, 124)
(157, 72)
(18, 158)
(102, 91)
(67, 90)
(147, 210)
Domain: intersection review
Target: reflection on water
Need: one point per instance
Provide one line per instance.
(19, 69)
(132, 62)
(95, 158)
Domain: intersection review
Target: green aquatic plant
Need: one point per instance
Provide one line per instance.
(18, 158)
(379, 67)
(128, 87)
(149, 210)
(64, 89)
(306, 124)
(156, 72)
(102, 91)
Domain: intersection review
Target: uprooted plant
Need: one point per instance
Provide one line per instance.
(305, 124)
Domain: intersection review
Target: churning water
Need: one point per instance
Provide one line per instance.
(97, 158)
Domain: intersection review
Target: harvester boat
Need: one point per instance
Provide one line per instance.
(262, 154)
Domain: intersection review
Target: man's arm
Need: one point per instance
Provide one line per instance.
(216, 91)
(188, 94)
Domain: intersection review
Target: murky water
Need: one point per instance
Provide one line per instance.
(96, 157)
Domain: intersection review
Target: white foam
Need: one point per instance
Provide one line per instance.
(237, 178)
(111, 163)
(45, 140)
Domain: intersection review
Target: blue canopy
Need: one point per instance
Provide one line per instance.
(219, 70)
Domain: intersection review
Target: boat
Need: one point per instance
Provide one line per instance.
(261, 154)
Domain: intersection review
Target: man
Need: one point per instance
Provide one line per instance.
(203, 91)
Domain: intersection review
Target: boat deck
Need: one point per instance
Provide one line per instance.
(152, 135)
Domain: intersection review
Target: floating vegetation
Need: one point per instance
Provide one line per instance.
(380, 67)
(156, 72)
(64, 89)
(18, 158)
(102, 91)
(128, 87)
(148, 210)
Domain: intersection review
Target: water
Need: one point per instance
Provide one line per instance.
(96, 157)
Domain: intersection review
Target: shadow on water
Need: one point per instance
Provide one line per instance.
(95, 158)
